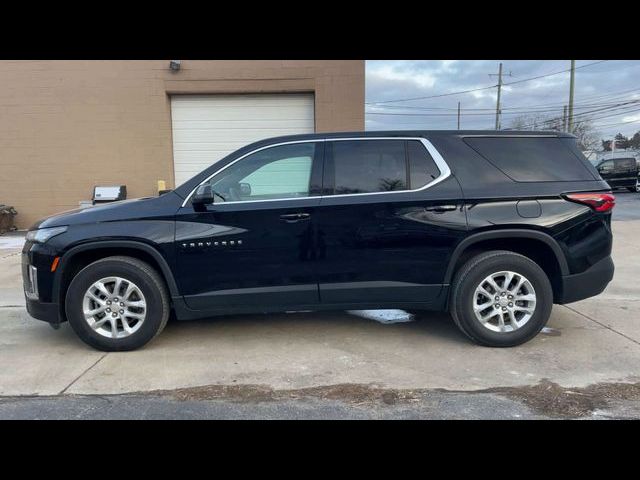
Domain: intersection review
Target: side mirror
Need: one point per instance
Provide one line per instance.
(202, 197)
(245, 189)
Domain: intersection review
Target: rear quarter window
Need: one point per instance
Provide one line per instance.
(625, 163)
(532, 159)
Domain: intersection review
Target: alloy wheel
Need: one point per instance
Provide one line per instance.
(504, 301)
(114, 307)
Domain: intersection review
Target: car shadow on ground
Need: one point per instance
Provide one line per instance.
(435, 325)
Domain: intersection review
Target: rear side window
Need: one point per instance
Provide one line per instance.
(367, 166)
(422, 168)
(531, 159)
(625, 163)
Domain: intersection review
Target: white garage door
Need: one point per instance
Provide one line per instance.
(208, 127)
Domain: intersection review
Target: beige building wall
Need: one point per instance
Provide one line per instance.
(66, 126)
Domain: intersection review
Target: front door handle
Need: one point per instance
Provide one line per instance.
(295, 217)
(441, 208)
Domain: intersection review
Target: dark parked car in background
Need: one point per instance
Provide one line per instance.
(493, 227)
(620, 173)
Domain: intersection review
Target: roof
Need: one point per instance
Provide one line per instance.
(416, 133)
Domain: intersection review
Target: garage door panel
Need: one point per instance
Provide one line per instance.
(229, 135)
(244, 114)
(207, 128)
(241, 100)
(252, 122)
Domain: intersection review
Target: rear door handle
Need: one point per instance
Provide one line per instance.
(441, 208)
(295, 217)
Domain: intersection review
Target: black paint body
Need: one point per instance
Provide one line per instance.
(391, 250)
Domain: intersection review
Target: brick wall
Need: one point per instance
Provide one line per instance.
(68, 125)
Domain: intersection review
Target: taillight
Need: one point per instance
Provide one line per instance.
(600, 202)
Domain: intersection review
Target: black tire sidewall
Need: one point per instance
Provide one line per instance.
(515, 263)
(94, 272)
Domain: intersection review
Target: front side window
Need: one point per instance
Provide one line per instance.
(606, 166)
(274, 173)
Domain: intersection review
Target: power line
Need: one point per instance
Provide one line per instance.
(605, 108)
(480, 88)
(554, 73)
(491, 111)
(543, 107)
(432, 96)
(627, 109)
(616, 124)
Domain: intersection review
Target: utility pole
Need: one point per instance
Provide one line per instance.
(571, 83)
(564, 118)
(498, 112)
(458, 115)
(498, 102)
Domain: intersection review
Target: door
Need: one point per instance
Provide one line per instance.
(626, 171)
(207, 128)
(387, 223)
(607, 171)
(255, 245)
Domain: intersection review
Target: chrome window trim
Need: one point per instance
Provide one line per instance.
(445, 171)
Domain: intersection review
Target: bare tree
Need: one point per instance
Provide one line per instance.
(587, 136)
(532, 121)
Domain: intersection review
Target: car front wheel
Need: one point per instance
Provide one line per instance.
(501, 299)
(117, 303)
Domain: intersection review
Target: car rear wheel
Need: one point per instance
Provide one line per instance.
(117, 304)
(501, 299)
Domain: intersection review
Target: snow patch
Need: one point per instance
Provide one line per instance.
(384, 316)
(11, 241)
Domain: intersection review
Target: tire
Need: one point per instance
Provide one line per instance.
(150, 291)
(632, 189)
(464, 296)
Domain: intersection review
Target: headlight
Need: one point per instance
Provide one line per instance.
(43, 234)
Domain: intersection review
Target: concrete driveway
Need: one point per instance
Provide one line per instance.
(585, 364)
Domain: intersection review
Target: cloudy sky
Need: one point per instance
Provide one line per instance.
(606, 92)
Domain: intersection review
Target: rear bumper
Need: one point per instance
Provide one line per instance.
(47, 312)
(587, 284)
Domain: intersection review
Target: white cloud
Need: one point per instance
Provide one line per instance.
(390, 80)
(393, 73)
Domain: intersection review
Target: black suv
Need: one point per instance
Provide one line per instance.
(620, 173)
(494, 227)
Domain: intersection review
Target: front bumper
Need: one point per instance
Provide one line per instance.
(47, 312)
(588, 283)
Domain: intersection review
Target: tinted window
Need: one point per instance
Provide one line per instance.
(606, 165)
(422, 168)
(277, 172)
(625, 163)
(365, 166)
(531, 159)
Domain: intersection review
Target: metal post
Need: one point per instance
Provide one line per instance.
(498, 99)
(571, 86)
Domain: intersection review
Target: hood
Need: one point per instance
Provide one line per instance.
(132, 209)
